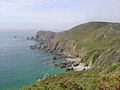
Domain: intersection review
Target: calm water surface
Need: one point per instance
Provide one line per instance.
(19, 65)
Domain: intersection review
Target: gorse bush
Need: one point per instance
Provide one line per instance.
(97, 79)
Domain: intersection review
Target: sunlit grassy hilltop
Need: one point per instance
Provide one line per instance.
(98, 44)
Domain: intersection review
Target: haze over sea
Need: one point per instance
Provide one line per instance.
(19, 65)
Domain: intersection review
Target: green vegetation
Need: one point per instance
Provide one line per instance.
(97, 79)
(98, 44)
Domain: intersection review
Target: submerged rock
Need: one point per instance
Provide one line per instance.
(15, 36)
(33, 47)
(54, 58)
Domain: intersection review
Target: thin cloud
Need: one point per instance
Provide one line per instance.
(55, 14)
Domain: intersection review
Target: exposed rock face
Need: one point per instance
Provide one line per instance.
(97, 43)
(45, 35)
(56, 48)
(62, 48)
(73, 64)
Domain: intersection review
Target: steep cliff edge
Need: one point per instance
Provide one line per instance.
(45, 35)
(97, 43)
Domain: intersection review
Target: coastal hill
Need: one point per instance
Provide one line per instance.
(45, 35)
(98, 45)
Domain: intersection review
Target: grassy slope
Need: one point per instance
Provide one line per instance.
(97, 79)
(95, 41)
(99, 42)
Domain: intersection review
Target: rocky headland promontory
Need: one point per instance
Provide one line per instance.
(95, 47)
(70, 62)
(92, 45)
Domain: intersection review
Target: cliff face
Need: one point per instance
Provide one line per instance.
(97, 43)
(45, 35)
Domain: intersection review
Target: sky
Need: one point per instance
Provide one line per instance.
(55, 14)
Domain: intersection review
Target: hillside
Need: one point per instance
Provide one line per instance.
(97, 79)
(97, 43)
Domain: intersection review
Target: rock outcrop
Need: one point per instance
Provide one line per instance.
(97, 43)
(45, 35)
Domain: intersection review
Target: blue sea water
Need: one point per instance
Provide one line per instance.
(19, 65)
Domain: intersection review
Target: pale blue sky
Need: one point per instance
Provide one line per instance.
(55, 14)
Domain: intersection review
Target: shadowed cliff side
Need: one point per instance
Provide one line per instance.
(97, 43)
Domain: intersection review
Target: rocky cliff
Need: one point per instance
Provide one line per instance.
(97, 43)
(45, 35)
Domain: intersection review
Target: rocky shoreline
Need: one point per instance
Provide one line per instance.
(73, 64)
(70, 63)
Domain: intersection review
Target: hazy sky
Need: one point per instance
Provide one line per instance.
(55, 14)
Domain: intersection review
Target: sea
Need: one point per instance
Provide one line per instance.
(19, 65)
